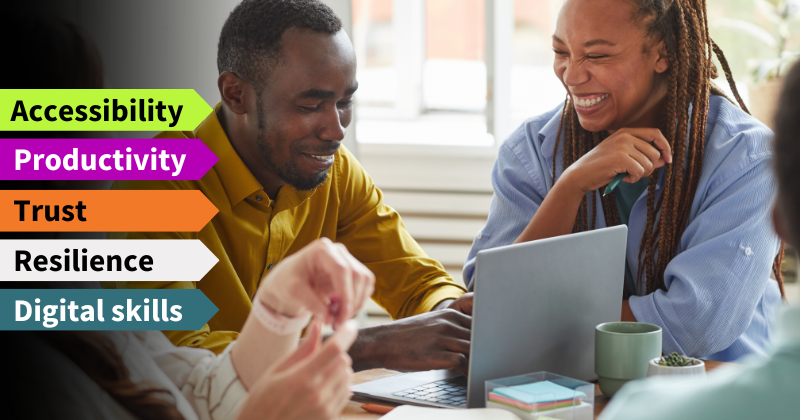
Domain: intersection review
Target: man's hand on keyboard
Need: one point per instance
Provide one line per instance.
(434, 340)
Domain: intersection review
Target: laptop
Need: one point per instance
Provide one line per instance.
(536, 306)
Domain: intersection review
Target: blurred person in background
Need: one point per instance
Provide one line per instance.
(261, 375)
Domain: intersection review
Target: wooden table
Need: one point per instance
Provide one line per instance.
(354, 411)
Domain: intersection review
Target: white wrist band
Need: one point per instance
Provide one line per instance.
(278, 323)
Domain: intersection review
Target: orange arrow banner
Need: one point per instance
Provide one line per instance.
(104, 211)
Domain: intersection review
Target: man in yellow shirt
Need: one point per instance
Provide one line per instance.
(287, 77)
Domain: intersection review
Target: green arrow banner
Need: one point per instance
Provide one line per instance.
(101, 109)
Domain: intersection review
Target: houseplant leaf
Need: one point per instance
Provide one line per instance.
(768, 10)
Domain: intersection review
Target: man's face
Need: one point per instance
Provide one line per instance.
(306, 105)
(601, 60)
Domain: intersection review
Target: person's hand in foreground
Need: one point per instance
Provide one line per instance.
(312, 383)
(322, 279)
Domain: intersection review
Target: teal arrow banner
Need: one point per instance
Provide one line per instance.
(104, 310)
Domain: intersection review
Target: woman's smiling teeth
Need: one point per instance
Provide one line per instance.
(586, 103)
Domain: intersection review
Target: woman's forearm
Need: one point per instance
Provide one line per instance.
(258, 348)
(556, 215)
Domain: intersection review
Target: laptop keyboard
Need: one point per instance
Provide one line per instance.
(451, 391)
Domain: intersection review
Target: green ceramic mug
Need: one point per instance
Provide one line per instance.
(622, 351)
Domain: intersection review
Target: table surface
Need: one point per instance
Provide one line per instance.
(353, 409)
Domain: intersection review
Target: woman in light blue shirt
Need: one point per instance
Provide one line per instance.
(767, 387)
(640, 100)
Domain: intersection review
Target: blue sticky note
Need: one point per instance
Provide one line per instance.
(538, 392)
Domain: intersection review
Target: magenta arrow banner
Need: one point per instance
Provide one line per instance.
(104, 159)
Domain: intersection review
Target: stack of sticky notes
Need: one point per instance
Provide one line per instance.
(539, 399)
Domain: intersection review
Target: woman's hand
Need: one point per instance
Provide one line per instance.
(312, 383)
(637, 151)
(322, 278)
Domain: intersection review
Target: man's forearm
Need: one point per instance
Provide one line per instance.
(366, 350)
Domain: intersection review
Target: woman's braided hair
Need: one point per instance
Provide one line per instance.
(683, 26)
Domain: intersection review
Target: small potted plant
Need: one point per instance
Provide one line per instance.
(676, 364)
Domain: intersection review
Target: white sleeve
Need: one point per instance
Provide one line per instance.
(209, 382)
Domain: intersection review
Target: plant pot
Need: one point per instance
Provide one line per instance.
(653, 369)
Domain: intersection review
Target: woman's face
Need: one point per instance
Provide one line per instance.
(614, 75)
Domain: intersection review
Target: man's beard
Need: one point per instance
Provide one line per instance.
(288, 171)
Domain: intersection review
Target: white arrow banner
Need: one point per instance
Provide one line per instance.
(105, 260)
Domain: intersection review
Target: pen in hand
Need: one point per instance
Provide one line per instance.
(613, 184)
(617, 179)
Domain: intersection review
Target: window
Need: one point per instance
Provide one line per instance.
(535, 89)
(465, 72)
(422, 74)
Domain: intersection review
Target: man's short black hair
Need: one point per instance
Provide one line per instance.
(787, 152)
(249, 44)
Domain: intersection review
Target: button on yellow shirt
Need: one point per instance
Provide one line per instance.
(251, 233)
